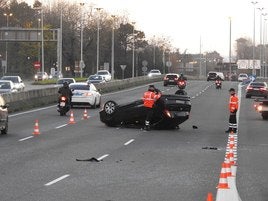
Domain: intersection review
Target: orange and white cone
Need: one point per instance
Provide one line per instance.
(223, 183)
(85, 116)
(209, 197)
(228, 168)
(72, 121)
(36, 128)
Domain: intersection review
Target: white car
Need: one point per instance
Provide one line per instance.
(7, 86)
(242, 77)
(154, 72)
(18, 84)
(106, 74)
(85, 94)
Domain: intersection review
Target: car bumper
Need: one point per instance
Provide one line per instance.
(83, 100)
(256, 93)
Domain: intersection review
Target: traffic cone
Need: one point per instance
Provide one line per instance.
(85, 116)
(230, 156)
(210, 197)
(223, 183)
(231, 143)
(36, 128)
(72, 121)
(228, 168)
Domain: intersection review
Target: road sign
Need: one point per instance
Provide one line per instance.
(123, 67)
(144, 69)
(37, 64)
(168, 64)
(144, 63)
(82, 64)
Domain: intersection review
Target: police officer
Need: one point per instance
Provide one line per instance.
(233, 107)
(149, 99)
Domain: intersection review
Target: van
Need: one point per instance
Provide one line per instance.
(213, 74)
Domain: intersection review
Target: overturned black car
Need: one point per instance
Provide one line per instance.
(169, 112)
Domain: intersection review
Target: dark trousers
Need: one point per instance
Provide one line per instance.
(232, 122)
(149, 115)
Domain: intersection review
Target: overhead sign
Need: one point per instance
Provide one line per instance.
(248, 64)
(123, 67)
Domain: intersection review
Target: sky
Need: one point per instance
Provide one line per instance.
(189, 24)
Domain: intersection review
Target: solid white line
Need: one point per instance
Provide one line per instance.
(130, 141)
(57, 180)
(25, 138)
(36, 110)
(61, 126)
(102, 157)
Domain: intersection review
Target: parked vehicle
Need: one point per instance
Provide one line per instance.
(261, 106)
(169, 112)
(3, 116)
(18, 84)
(7, 86)
(259, 89)
(85, 94)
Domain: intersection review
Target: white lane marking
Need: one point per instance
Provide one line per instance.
(61, 126)
(25, 138)
(193, 97)
(102, 157)
(31, 111)
(130, 141)
(57, 180)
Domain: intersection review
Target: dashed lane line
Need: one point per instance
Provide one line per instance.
(23, 139)
(128, 142)
(102, 157)
(57, 180)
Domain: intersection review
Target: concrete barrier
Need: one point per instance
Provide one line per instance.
(40, 97)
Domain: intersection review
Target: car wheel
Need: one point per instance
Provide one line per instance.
(265, 116)
(248, 96)
(110, 107)
(4, 131)
(94, 104)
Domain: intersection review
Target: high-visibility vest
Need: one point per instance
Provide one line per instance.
(233, 103)
(149, 98)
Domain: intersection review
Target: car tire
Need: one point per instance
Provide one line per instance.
(110, 107)
(265, 116)
(5, 130)
(248, 96)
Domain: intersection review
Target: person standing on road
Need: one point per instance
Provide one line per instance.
(149, 99)
(233, 107)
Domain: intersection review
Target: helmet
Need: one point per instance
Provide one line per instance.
(65, 84)
(181, 75)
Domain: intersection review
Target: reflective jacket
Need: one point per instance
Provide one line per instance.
(149, 98)
(233, 104)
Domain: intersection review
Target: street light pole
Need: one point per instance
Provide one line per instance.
(133, 50)
(81, 64)
(112, 60)
(154, 51)
(7, 16)
(98, 37)
(42, 38)
(260, 9)
(230, 47)
(253, 67)
(264, 42)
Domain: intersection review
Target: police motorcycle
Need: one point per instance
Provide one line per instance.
(181, 85)
(218, 84)
(63, 105)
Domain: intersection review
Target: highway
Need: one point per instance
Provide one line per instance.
(135, 165)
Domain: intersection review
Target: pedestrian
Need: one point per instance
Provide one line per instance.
(149, 99)
(233, 108)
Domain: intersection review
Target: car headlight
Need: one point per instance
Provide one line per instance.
(35, 76)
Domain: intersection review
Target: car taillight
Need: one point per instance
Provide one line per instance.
(167, 113)
(263, 89)
(88, 94)
(259, 108)
(249, 87)
(165, 78)
(176, 78)
(63, 98)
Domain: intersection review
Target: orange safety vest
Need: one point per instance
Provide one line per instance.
(149, 98)
(233, 103)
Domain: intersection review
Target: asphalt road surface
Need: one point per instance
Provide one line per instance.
(159, 165)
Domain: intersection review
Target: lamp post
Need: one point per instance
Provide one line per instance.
(112, 60)
(7, 16)
(253, 67)
(154, 51)
(230, 47)
(98, 37)
(260, 9)
(133, 49)
(264, 42)
(81, 64)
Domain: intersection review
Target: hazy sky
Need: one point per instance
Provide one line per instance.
(185, 21)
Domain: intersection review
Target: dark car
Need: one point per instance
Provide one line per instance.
(169, 112)
(257, 89)
(3, 116)
(171, 79)
(213, 75)
(261, 106)
(96, 79)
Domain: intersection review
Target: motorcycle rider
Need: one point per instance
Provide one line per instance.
(182, 77)
(149, 99)
(66, 91)
(233, 107)
(218, 80)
